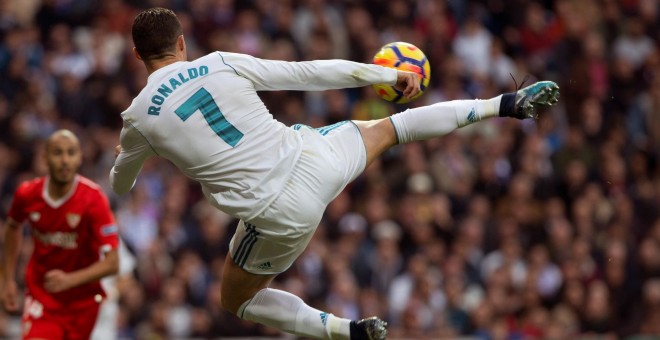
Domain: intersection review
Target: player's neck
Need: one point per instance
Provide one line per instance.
(154, 65)
(57, 190)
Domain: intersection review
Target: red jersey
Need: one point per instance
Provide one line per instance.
(69, 234)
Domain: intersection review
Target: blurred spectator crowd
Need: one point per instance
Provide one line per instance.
(501, 230)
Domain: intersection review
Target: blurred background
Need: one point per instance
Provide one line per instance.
(501, 230)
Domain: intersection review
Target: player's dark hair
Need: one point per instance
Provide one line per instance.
(155, 32)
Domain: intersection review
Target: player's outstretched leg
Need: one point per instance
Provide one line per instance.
(441, 118)
(246, 295)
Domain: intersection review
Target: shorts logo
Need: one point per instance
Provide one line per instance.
(35, 216)
(324, 318)
(264, 266)
(72, 220)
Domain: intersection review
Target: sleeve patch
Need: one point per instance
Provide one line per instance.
(109, 230)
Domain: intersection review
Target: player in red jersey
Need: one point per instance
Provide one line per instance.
(75, 245)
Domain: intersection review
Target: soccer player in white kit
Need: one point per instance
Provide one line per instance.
(206, 117)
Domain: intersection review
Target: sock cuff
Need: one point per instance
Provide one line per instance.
(400, 128)
(396, 132)
(241, 310)
(257, 297)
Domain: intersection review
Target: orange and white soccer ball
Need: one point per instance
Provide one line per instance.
(406, 57)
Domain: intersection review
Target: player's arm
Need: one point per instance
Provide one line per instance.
(57, 280)
(12, 246)
(133, 151)
(317, 75)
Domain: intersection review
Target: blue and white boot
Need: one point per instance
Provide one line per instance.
(523, 103)
(371, 328)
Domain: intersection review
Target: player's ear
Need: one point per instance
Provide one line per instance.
(136, 54)
(181, 43)
(181, 46)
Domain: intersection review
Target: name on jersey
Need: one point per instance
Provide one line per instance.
(60, 239)
(167, 88)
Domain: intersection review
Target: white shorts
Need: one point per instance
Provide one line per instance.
(332, 157)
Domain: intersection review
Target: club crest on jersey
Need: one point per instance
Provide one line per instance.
(35, 216)
(73, 220)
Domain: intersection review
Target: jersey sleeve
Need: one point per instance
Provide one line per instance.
(135, 149)
(317, 75)
(16, 209)
(104, 227)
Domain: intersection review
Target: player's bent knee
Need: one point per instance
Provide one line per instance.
(232, 298)
(239, 286)
(231, 303)
(378, 136)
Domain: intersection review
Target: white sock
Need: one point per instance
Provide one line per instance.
(287, 312)
(439, 119)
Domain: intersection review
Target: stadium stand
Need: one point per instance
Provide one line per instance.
(541, 229)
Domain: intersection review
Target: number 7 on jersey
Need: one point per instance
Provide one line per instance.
(203, 101)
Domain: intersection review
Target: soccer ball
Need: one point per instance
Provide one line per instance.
(406, 57)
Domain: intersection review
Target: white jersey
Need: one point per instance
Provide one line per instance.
(206, 117)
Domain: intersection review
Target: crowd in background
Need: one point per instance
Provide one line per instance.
(505, 229)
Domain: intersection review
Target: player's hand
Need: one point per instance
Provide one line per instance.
(57, 281)
(117, 150)
(10, 296)
(408, 83)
